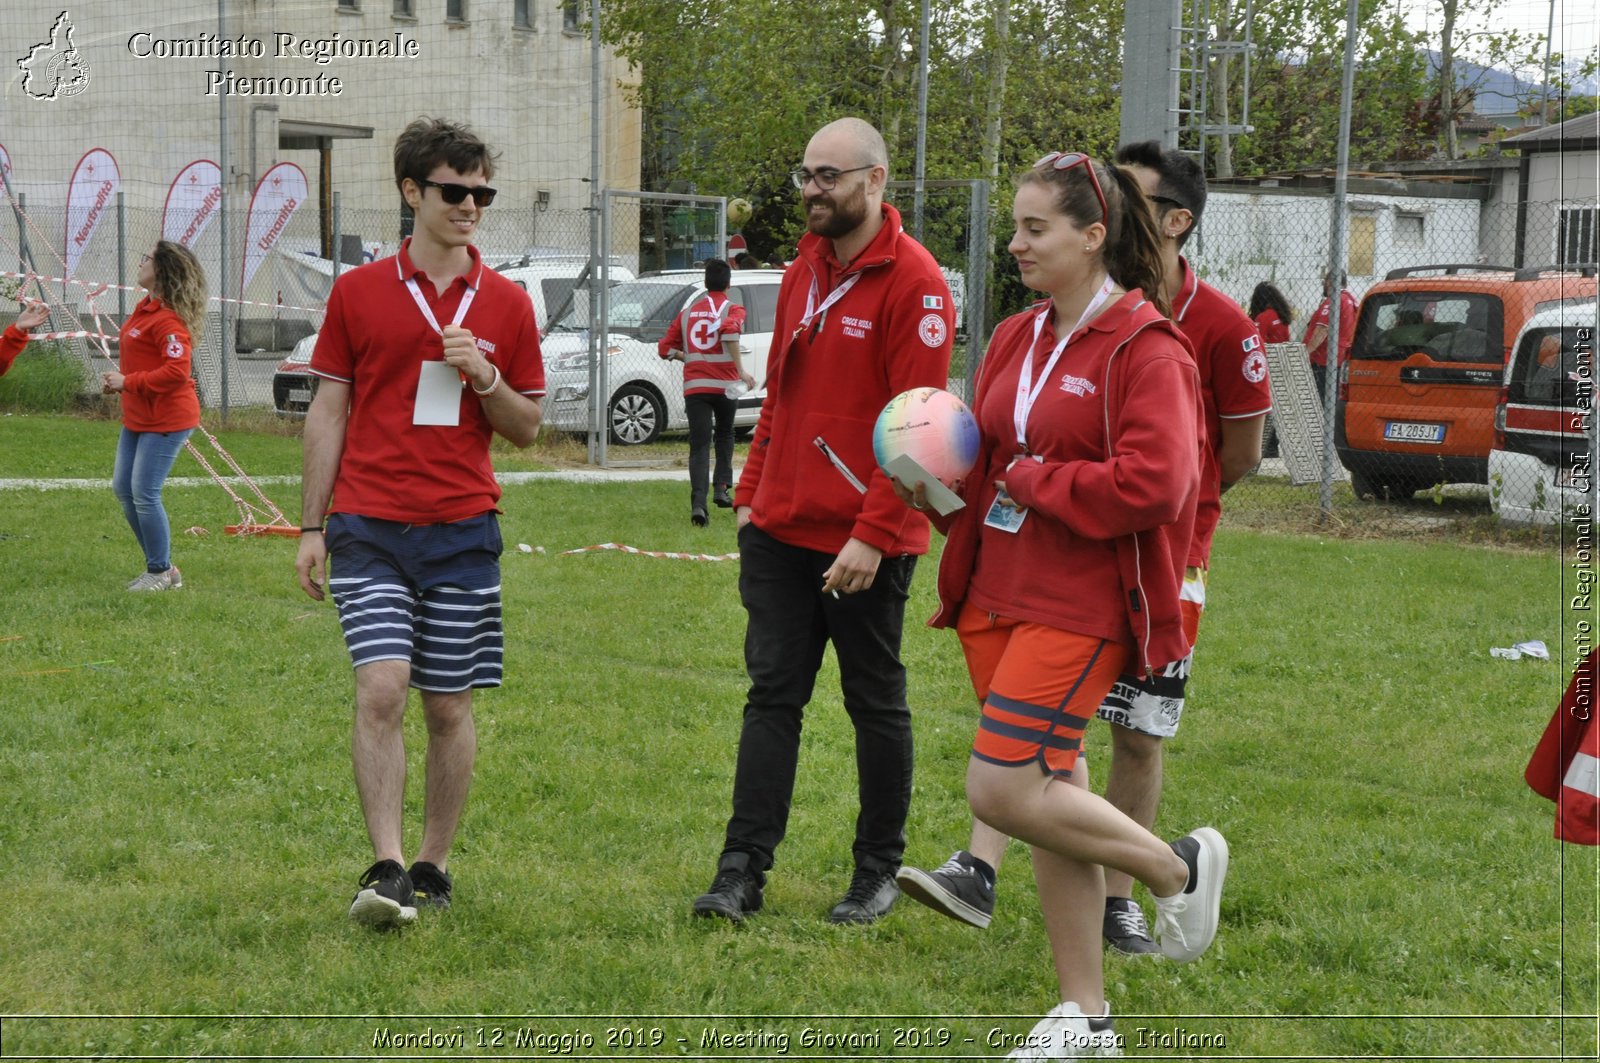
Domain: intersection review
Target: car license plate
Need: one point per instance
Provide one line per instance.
(299, 394)
(1412, 432)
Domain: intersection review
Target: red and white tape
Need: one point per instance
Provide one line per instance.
(626, 549)
(28, 278)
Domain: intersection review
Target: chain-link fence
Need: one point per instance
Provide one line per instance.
(1427, 426)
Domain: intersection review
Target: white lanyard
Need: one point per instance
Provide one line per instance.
(1027, 390)
(427, 311)
(812, 309)
(717, 314)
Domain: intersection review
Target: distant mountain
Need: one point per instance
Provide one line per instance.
(1499, 92)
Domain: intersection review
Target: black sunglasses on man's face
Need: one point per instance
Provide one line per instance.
(452, 193)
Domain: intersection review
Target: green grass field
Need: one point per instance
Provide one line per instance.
(179, 832)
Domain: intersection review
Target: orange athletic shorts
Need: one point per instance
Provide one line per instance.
(1039, 687)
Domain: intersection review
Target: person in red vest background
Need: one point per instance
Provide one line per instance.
(1316, 338)
(705, 337)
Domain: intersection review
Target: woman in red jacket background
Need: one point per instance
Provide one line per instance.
(1064, 568)
(159, 404)
(1270, 311)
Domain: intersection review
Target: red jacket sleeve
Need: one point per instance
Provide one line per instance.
(1154, 466)
(12, 340)
(783, 328)
(674, 336)
(911, 362)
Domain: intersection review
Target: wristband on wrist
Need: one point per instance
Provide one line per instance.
(492, 388)
(317, 528)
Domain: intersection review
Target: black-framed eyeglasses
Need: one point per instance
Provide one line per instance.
(826, 177)
(452, 193)
(1066, 160)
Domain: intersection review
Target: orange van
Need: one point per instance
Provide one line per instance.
(1417, 397)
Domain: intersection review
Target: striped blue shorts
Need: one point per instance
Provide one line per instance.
(428, 594)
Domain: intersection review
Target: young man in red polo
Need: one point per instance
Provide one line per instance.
(422, 357)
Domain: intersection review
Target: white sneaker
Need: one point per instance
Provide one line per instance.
(1067, 1033)
(1186, 922)
(174, 577)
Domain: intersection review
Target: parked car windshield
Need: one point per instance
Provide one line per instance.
(1447, 326)
(638, 309)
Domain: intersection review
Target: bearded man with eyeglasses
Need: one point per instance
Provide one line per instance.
(421, 359)
(827, 549)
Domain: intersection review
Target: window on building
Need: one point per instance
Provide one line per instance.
(1575, 239)
(349, 5)
(405, 8)
(455, 10)
(1363, 245)
(1409, 232)
(522, 14)
(571, 16)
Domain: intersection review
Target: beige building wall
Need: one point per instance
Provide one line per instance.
(524, 89)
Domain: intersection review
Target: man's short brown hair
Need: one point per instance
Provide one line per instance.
(427, 142)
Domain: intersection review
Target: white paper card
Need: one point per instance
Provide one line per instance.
(438, 395)
(910, 472)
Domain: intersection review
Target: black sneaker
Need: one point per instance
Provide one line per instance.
(385, 898)
(1125, 929)
(869, 898)
(698, 516)
(431, 883)
(722, 498)
(957, 889)
(735, 892)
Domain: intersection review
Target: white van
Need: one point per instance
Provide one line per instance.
(1540, 468)
(558, 286)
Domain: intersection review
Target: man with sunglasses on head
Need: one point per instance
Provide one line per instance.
(422, 357)
(827, 549)
(1145, 710)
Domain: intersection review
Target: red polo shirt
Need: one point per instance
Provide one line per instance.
(375, 338)
(1233, 385)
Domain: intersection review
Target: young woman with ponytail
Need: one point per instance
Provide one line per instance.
(1064, 569)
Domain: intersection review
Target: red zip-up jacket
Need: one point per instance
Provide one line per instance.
(156, 354)
(889, 333)
(1113, 499)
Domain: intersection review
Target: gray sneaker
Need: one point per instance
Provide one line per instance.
(156, 581)
(1125, 930)
(956, 889)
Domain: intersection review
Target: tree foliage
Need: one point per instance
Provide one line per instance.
(730, 92)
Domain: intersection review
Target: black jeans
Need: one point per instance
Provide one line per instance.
(790, 623)
(702, 409)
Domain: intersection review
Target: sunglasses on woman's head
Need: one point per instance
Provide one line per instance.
(452, 193)
(1066, 160)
